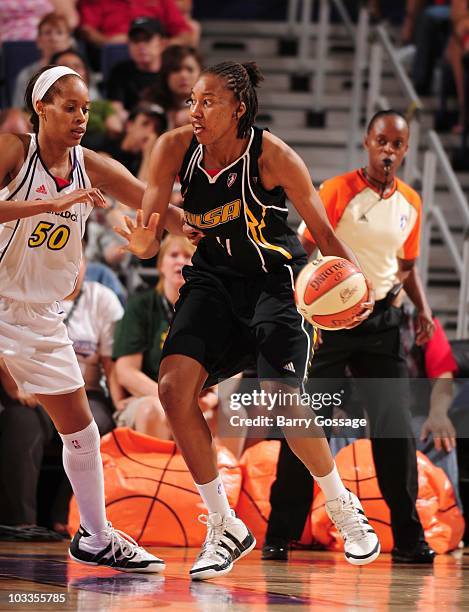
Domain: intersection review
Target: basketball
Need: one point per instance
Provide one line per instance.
(329, 292)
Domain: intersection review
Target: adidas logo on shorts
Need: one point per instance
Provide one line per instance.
(289, 367)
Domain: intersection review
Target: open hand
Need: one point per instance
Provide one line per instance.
(424, 327)
(444, 435)
(92, 196)
(366, 306)
(141, 238)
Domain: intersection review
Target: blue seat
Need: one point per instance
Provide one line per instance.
(16, 55)
(112, 54)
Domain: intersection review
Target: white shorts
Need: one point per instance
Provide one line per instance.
(35, 346)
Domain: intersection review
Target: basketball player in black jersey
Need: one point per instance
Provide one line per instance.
(237, 306)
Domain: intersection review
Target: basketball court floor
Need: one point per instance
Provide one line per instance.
(311, 580)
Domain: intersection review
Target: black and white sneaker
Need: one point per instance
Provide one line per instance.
(361, 544)
(115, 549)
(228, 539)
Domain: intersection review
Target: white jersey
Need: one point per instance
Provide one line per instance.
(40, 255)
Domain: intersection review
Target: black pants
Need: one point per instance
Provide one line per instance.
(26, 435)
(432, 33)
(373, 350)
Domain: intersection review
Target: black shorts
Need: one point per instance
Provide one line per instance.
(232, 324)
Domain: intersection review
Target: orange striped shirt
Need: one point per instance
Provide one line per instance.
(378, 230)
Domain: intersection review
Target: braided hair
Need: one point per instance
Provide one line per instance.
(242, 80)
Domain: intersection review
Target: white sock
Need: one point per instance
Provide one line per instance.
(331, 484)
(214, 497)
(84, 468)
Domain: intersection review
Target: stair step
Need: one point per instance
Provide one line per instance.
(264, 29)
(290, 65)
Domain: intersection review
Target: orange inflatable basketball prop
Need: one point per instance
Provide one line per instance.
(150, 493)
(259, 468)
(436, 504)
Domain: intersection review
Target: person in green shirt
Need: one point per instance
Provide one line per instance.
(139, 339)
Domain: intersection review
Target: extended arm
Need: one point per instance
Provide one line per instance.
(114, 179)
(11, 160)
(287, 169)
(409, 274)
(129, 374)
(144, 237)
(438, 423)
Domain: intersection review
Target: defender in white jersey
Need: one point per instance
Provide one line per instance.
(49, 184)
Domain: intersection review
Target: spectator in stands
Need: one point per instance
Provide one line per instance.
(144, 125)
(53, 35)
(180, 69)
(74, 59)
(139, 339)
(108, 21)
(20, 18)
(458, 50)
(459, 414)
(428, 25)
(185, 6)
(391, 10)
(129, 79)
(105, 117)
(432, 363)
(23, 424)
(97, 269)
(91, 312)
(14, 121)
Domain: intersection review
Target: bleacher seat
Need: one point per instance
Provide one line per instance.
(112, 54)
(16, 54)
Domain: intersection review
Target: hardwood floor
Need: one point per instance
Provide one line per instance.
(309, 580)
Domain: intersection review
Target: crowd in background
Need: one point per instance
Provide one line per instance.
(140, 60)
(434, 36)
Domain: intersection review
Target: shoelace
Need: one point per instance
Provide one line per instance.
(213, 537)
(349, 522)
(127, 544)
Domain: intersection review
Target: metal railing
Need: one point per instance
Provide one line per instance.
(436, 158)
(301, 28)
(435, 161)
(376, 101)
(360, 64)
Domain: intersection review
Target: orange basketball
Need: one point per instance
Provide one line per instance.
(329, 292)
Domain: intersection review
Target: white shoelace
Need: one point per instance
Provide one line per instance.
(349, 523)
(127, 545)
(214, 533)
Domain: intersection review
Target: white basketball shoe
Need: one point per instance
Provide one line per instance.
(361, 544)
(228, 539)
(115, 549)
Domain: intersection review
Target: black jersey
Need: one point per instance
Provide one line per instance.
(245, 226)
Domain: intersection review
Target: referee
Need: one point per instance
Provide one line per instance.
(379, 218)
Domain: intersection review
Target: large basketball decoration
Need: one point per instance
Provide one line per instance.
(259, 469)
(150, 493)
(329, 292)
(436, 505)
